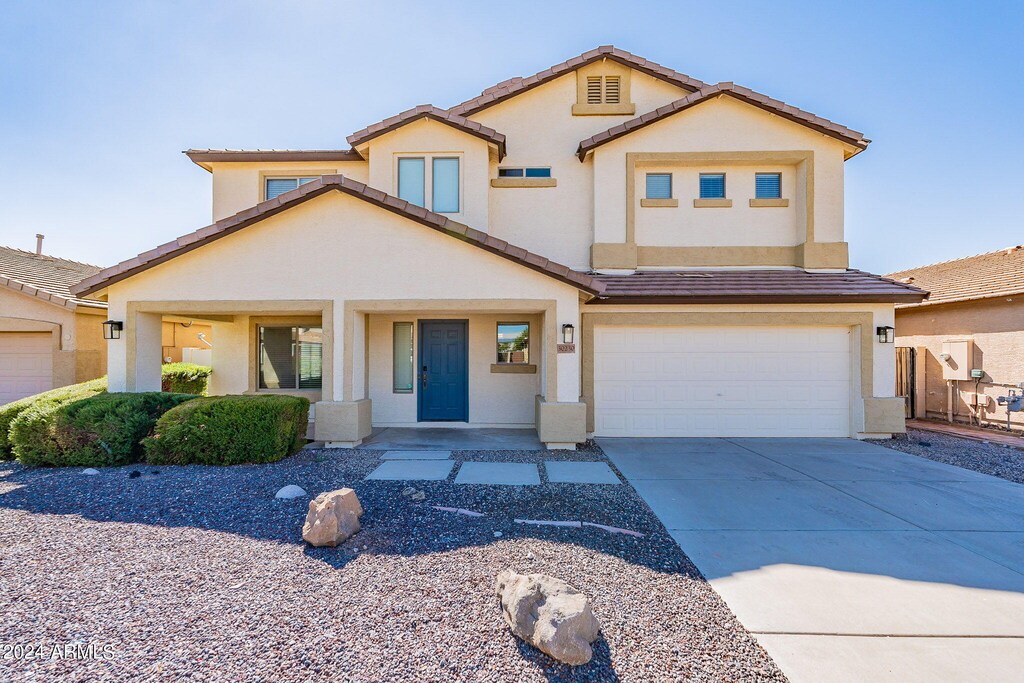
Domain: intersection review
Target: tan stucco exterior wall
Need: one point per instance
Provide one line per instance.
(997, 329)
(177, 335)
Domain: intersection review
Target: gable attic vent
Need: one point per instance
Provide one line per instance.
(611, 89)
(593, 89)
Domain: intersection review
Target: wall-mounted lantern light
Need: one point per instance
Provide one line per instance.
(886, 334)
(567, 333)
(112, 329)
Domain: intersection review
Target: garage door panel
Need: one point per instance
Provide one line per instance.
(724, 381)
(26, 364)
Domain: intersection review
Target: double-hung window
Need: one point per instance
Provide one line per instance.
(439, 179)
(712, 186)
(290, 357)
(278, 186)
(768, 185)
(659, 186)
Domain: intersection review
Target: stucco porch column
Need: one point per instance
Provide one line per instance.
(561, 417)
(345, 422)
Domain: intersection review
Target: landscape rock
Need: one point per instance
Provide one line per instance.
(549, 614)
(90, 471)
(332, 518)
(290, 491)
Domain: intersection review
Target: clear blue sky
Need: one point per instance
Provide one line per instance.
(97, 100)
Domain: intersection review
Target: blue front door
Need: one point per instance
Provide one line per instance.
(444, 371)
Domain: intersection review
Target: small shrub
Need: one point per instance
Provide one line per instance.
(185, 378)
(229, 430)
(103, 430)
(10, 412)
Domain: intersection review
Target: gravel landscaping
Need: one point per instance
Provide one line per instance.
(198, 573)
(988, 458)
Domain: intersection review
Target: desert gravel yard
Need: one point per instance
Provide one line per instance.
(988, 458)
(198, 573)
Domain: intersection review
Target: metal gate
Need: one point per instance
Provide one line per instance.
(905, 377)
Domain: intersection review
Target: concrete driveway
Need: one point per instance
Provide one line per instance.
(848, 561)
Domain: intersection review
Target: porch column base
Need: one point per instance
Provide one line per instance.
(884, 416)
(343, 424)
(561, 425)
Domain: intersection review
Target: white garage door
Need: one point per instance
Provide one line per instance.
(722, 381)
(26, 364)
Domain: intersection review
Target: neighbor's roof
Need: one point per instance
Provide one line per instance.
(995, 274)
(322, 185)
(747, 95)
(429, 111)
(518, 85)
(45, 277)
(754, 286)
(205, 156)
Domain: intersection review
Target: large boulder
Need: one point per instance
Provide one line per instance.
(549, 614)
(332, 518)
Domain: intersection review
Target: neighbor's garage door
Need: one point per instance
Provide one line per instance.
(26, 364)
(722, 381)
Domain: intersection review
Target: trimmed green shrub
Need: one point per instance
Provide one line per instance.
(102, 430)
(185, 378)
(10, 412)
(229, 430)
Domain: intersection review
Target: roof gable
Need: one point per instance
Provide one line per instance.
(428, 111)
(707, 93)
(984, 276)
(45, 277)
(518, 85)
(339, 183)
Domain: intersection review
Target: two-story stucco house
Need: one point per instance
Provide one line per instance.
(607, 247)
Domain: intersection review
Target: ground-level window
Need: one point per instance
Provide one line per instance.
(659, 186)
(291, 357)
(525, 172)
(513, 342)
(768, 185)
(712, 186)
(403, 358)
(277, 186)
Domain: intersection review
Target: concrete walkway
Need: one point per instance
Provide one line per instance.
(848, 561)
(452, 439)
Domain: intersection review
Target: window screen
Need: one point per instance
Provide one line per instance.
(403, 358)
(768, 185)
(659, 185)
(411, 180)
(445, 181)
(712, 185)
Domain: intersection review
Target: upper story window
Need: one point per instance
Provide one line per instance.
(604, 90)
(278, 186)
(712, 186)
(659, 186)
(440, 180)
(768, 185)
(525, 172)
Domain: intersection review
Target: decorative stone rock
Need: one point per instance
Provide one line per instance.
(290, 491)
(332, 518)
(90, 471)
(549, 614)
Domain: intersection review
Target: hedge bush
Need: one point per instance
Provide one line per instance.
(229, 430)
(46, 400)
(102, 430)
(185, 378)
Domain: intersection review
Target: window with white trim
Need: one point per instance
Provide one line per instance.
(441, 180)
(277, 186)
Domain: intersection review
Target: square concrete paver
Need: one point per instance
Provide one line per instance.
(574, 472)
(500, 473)
(417, 455)
(413, 470)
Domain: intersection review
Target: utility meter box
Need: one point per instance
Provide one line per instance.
(956, 359)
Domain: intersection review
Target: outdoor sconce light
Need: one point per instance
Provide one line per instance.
(567, 333)
(886, 334)
(112, 329)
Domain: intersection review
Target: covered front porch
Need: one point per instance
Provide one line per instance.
(368, 365)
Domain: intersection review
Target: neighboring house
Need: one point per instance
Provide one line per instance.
(973, 320)
(51, 338)
(606, 247)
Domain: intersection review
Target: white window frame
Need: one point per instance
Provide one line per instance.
(428, 176)
(297, 178)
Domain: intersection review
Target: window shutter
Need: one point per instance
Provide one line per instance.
(712, 186)
(278, 186)
(593, 90)
(659, 185)
(768, 185)
(611, 89)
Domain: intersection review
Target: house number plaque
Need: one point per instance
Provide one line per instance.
(567, 348)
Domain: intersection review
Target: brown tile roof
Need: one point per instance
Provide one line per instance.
(753, 286)
(997, 273)
(45, 277)
(205, 156)
(747, 95)
(322, 185)
(429, 111)
(515, 86)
